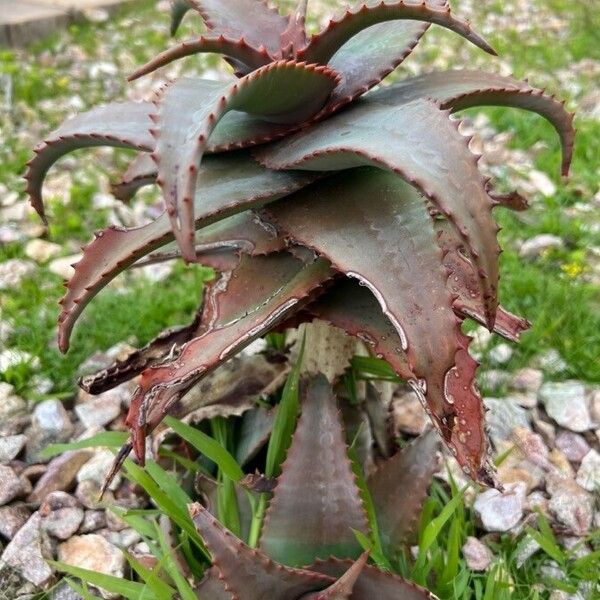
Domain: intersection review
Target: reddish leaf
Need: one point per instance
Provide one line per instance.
(269, 287)
(253, 20)
(370, 56)
(247, 573)
(232, 48)
(373, 584)
(392, 251)
(424, 147)
(399, 488)
(294, 36)
(512, 200)
(316, 504)
(325, 44)
(140, 172)
(229, 185)
(127, 368)
(457, 90)
(342, 589)
(354, 309)
(179, 8)
(463, 284)
(119, 124)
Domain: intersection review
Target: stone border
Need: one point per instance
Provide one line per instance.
(25, 21)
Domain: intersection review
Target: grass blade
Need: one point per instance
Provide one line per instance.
(208, 446)
(132, 590)
(109, 439)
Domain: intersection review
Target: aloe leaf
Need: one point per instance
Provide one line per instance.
(286, 92)
(424, 147)
(261, 292)
(232, 48)
(211, 587)
(460, 89)
(316, 503)
(326, 43)
(140, 172)
(407, 475)
(294, 35)
(247, 572)
(343, 588)
(463, 284)
(179, 9)
(128, 125)
(511, 200)
(371, 55)
(253, 20)
(121, 124)
(231, 390)
(125, 369)
(373, 583)
(392, 251)
(228, 184)
(254, 433)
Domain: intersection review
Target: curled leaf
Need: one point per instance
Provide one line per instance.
(229, 184)
(326, 43)
(121, 124)
(282, 92)
(461, 89)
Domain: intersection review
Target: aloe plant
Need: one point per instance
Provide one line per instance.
(312, 197)
(317, 516)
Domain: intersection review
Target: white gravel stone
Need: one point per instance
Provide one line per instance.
(93, 552)
(51, 416)
(542, 182)
(28, 550)
(98, 411)
(11, 486)
(41, 251)
(526, 380)
(10, 446)
(61, 515)
(566, 402)
(477, 555)
(536, 246)
(551, 362)
(588, 476)
(501, 511)
(571, 505)
(12, 518)
(11, 358)
(500, 354)
(503, 416)
(10, 403)
(12, 272)
(97, 468)
(572, 445)
(62, 266)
